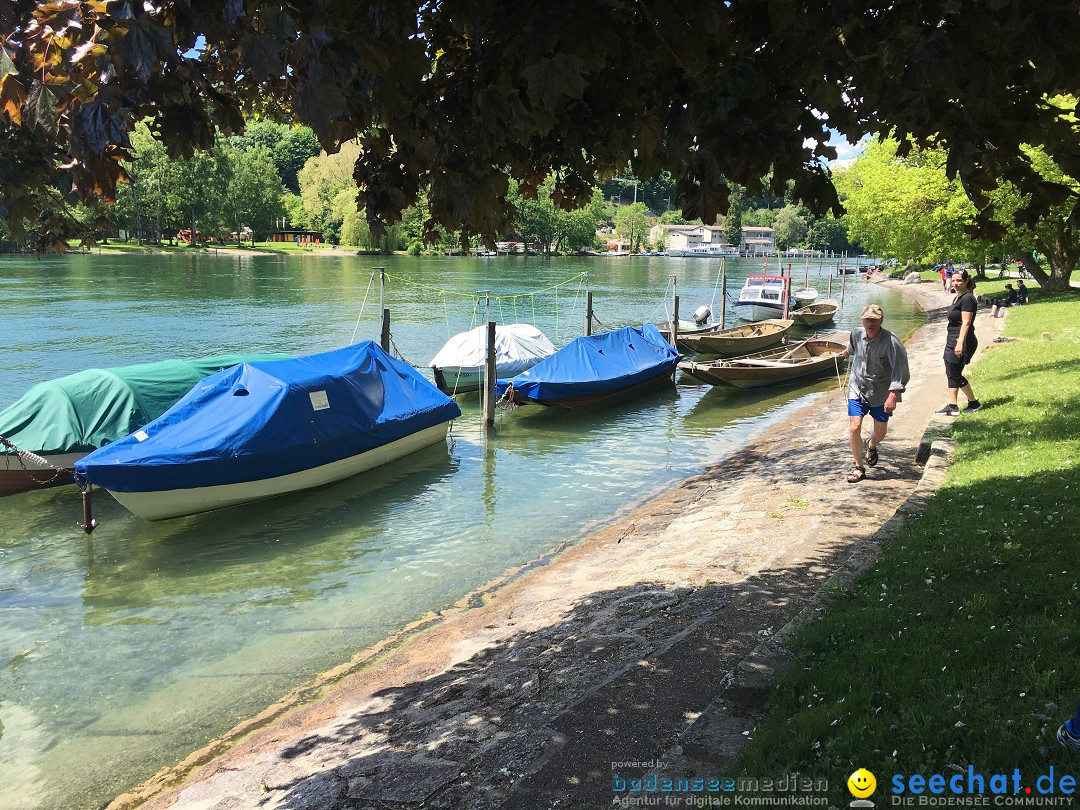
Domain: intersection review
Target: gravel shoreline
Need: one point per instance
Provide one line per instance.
(619, 652)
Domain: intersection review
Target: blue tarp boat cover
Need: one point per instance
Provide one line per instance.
(261, 420)
(596, 364)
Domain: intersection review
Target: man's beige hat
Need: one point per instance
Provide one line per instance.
(873, 311)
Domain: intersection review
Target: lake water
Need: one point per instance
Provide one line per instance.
(123, 651)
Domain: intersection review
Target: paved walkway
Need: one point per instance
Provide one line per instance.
(639, 644)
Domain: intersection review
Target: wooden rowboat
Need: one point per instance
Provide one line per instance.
(737, 340)
(770, 367)
(816, 314)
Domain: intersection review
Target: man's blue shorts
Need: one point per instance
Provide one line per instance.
(856, 407)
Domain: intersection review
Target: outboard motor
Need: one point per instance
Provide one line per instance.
(702, 315)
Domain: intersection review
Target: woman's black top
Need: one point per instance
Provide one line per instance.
(964, 302)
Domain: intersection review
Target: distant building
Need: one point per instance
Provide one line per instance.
(758, 241)
(305, 237)
(683, 237)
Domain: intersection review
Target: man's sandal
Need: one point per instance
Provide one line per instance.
(871, 454)
(857, 474)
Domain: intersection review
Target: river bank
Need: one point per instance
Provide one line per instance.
(619, 649)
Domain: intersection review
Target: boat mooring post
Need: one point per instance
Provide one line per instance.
(843, 283)
(830, 286)
(489, 377)
(675, 324)
(384, 332)
(588, 314)
(787, 294)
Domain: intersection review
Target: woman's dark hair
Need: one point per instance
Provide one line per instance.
(967, 277)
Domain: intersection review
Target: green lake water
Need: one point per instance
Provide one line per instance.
(123, 651)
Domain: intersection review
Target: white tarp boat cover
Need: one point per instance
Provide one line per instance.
(518, 346)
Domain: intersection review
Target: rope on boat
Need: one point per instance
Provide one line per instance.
(371, 281)
(34, 457)
(397, 353)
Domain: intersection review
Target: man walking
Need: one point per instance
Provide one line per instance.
(879, 374)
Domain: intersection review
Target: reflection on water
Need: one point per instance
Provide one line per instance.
(121, 652)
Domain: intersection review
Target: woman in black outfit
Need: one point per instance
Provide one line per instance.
(960, 342)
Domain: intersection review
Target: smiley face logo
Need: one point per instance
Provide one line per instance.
(861, 783)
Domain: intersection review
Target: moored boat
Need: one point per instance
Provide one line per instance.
(458, 367)
(770, 367)
(804, 297)
(762, 297)
(57, 422)
(816, 314)
(742, 339)
(266, 428)
(595, 369)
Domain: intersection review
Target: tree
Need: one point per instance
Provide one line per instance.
(733, 220)
(630, 223)
(906, 206)
(1055, 237)
(454, 100)
(790, 226)
(827, 234)
(254, 191)
(321, 180)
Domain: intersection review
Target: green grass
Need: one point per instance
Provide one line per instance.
(962, 644)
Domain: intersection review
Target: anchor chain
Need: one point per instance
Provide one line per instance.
(34, 457)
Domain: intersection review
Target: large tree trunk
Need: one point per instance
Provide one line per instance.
(1062, 255)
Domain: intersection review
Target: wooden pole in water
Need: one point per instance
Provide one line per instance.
(723, 291)
(675, 324)
(843, 283)
(830, 287)
(384, 313)
(489, 377)
(384, 333)
(588, 314)
(787, 295)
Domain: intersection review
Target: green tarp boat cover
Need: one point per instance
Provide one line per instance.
(84, 411)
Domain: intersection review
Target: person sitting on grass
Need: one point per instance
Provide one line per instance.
(1021, 292)
(1010, 300)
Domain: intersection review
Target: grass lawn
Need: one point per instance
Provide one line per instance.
(961, 646)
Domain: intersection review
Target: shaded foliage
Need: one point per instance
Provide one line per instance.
(454, 98)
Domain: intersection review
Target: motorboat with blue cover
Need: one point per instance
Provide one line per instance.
(266, 428)
(57, 422)
(592, 369)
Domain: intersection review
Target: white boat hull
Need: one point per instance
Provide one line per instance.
(758, 312)
(459, 380)
(164, 504)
